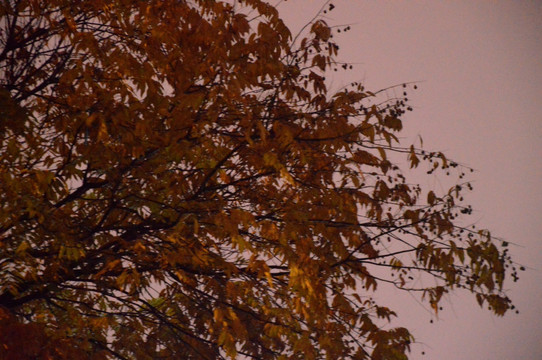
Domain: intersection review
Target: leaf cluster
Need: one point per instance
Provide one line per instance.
(177, 181)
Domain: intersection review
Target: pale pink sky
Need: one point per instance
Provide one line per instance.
(479, 64)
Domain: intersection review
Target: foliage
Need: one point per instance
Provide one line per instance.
(178, 182)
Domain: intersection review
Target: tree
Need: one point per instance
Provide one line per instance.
(177, 181)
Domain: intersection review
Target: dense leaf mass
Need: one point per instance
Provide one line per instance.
(177, 181)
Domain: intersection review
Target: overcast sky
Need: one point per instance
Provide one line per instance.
(479, 67)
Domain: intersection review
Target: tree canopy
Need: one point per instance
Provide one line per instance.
(177, 181)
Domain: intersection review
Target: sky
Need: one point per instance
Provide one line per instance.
(478, 66)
